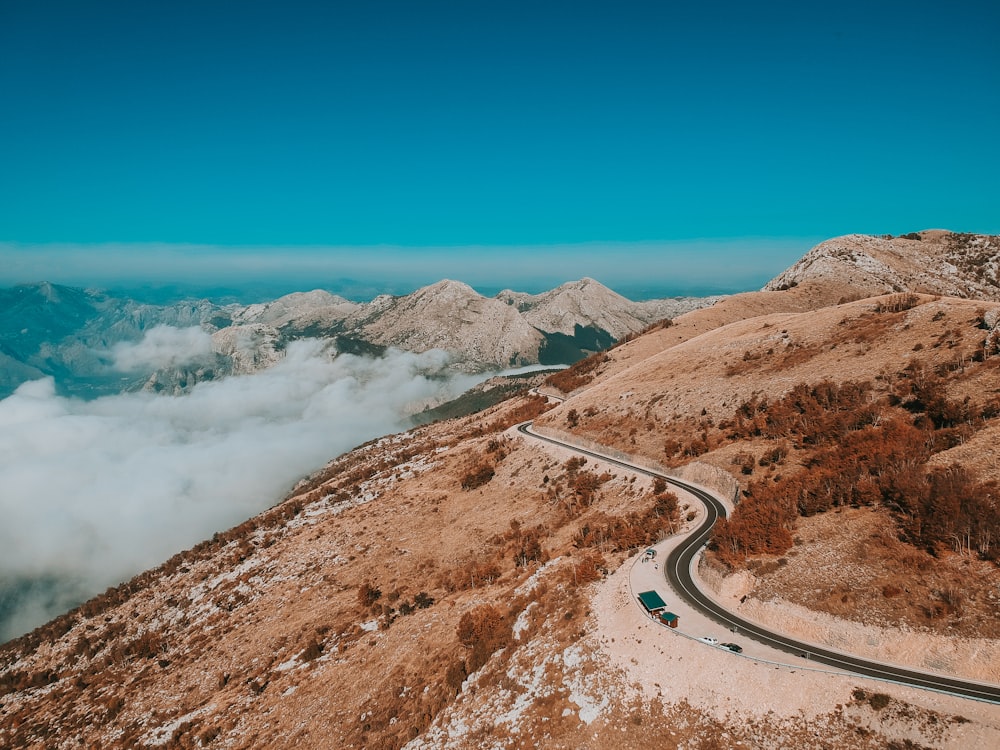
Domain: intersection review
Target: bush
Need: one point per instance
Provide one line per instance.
(484, 630)
(423, 600)
(897, 303)
(579, 374)
(312, 651)
(477, 476)
(368, 595)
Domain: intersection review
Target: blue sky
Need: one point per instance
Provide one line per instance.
(492, 134)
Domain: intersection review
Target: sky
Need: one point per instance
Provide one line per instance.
(654, 144)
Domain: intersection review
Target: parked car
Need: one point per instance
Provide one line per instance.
(709, 640)
(735, 648)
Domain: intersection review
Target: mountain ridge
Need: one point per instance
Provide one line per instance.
(68, 332)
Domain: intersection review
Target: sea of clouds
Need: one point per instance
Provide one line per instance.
(92, 492)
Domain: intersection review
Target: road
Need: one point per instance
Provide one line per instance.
(677, 570)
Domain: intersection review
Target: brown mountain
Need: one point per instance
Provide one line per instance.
(933, 262)
(461, 585)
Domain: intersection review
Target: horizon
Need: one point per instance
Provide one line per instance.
(635, 270)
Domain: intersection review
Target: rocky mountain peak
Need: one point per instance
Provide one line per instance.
(445, 291)
(930, 261)
(317, 305)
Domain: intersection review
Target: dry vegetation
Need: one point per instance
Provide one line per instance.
(861, 446)
(855, 406)
(437, 588)
(328, 586)
(861, 570)
(578, 374)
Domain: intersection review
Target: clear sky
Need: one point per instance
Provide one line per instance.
(478, 131)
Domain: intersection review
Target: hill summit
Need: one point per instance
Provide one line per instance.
(932, 262)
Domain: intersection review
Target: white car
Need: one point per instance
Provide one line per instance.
(709, 640)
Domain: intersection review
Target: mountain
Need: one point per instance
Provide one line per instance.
(452, 316)
(461, 585)
(929, 262)
(67, 332)
(480, 332)
(70, 333)
(586, 302)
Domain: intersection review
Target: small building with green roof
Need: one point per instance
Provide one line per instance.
(652, 602)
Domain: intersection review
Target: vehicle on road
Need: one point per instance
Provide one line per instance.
(734, 647)
(709, 640)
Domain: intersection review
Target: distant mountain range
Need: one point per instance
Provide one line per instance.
(69, 333)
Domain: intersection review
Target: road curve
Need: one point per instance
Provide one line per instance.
(677, 570)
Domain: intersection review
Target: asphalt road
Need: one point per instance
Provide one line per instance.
(677, 570)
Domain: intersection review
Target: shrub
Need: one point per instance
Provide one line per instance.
(897, 302)
(579, 374)
(477, 476)
(484, 630)
(312, 651)
(368, 595)
(423, 600)
(878, 701)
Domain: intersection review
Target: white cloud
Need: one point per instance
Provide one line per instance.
(95, 491)
(163, 346)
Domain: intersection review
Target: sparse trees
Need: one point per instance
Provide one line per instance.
(864, 451)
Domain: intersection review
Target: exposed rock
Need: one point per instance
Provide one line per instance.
(588, 303)
(300, 311)
(50, 329)
(452, 316)
(248, 347)
(931, 262)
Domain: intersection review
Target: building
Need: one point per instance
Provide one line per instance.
(652, 602)
(669, 619)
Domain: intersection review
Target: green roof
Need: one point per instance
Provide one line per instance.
(668, 616)
(651, 600)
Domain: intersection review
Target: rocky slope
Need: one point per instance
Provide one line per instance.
(583, 303)
(68, 333)
(395, 601)
(71, 333)
(931, 262)
(459, 586)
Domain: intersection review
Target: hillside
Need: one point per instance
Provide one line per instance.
(930, 262)
(460, 585)
(714, 398)
(341, 618)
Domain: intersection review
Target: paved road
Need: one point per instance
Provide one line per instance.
(677, 569)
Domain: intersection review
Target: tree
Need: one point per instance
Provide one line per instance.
(484, 630)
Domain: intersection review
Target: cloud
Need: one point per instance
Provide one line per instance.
(96, 491)
(161, 347)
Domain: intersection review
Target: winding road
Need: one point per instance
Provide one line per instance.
(677, 570)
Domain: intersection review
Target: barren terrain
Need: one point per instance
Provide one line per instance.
(461, 586)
